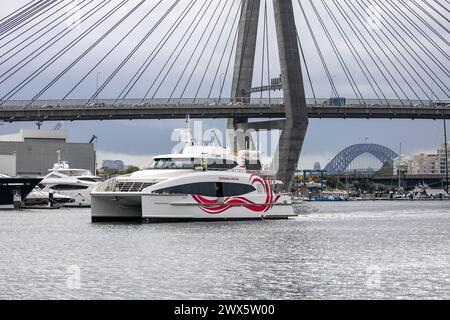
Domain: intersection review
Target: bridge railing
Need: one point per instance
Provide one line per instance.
(214, 102)
(111, 103)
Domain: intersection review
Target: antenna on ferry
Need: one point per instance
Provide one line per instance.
(58, 152)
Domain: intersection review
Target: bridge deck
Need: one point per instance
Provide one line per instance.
(21, 111)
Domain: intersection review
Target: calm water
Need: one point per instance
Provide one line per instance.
(340, 250)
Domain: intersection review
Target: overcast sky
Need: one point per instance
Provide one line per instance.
(136, 141)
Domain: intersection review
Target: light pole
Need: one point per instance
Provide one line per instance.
(446, 155)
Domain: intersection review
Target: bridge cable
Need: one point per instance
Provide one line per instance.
(230, 34)
(27, 18)
(135, 49)
(167, 72)
(179, 42)
(338, 54)
(246, 33)
(215, 24)
(56, 3)
(319, 51)
(150, 58)
(410, 49)
(115, 46)
(50, 28)
(195, 50)
(362, 65)
(59, 36)
(429, 15)
(17, 21)
(215, 49)
(366, 46)
(387, 49)
(440, 4)
(398, 60)
(415, 25)
(358, 15)
(80, 57)
(55, 57)
(426, 23)
(263, 49)
(268, 47)
(230, 57)
(17, 12)
(425, 35)
(306, 67)
(437, 11)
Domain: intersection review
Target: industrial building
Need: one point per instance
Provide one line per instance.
(113, 164)
(33, 152)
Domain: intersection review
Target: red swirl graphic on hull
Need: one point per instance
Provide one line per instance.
(216, 207)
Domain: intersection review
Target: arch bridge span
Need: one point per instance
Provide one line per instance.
(341, 162)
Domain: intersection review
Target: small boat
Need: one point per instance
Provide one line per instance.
(39, 198)
(13, 191)
(76, 184)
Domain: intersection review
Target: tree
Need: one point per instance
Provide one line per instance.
(129, 170)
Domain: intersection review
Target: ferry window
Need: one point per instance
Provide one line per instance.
(180, 163)
(236, 189)
(76, 173)
(192, 163)
(221, 164)
(259, 188)
(88, 179)
(67, 187)
(210, 189)
(253, 165)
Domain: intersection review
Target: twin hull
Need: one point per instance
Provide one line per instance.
(127, 206)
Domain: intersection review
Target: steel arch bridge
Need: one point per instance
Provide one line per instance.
(341, 162)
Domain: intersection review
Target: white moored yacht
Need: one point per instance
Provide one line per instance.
(200, 183)
(74, 183)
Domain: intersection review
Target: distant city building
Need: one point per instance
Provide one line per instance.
(422, 164)
(401, 164)
(33, 152)
(442, 157)
(317, 166)
(113, 164)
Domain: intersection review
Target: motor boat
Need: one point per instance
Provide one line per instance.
(199, 183)
(74, 183)
(38, 198)
(14, 190)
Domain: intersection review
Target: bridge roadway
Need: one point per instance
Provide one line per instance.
(73, 110)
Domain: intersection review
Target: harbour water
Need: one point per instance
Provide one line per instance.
(348, 250)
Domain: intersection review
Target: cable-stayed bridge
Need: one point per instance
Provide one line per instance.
(234, 59)
(73, 110)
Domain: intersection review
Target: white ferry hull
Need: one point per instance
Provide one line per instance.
(176, 208)
(112, 206)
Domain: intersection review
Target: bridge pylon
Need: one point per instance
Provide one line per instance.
(294, 126)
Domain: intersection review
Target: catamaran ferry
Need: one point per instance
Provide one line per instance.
(200, 183)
